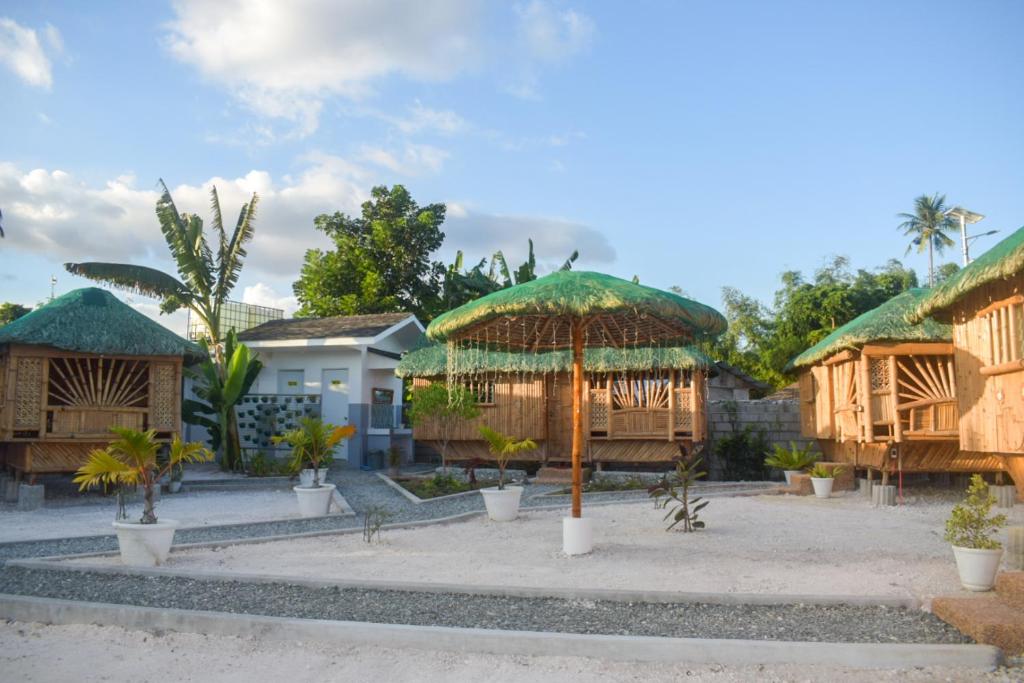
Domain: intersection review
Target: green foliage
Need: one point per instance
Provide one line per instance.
(927, 226)
(762, 340)
(742, 454)
(217, 392)
(444, 406)
(674, 491)
(503, 448)
(133, 459)
(374, 520)
(440, 485)
(259, 465)
(946, 271)
(10, 312)
(819, 471)
(313, 444)
(969, 524)
(380, 262)
(792, 458)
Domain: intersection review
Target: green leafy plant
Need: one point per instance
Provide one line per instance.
(674, 491)
(969, 524)
(741, 453)
(394, 458)
(438, 405)
(503, 447)
(133, 459)
(819, 471)
(313, 444)
(793, 458)
(374, 520)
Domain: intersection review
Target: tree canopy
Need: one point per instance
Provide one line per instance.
(9, 312)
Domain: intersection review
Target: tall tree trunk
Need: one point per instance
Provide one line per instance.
(148, 514)
(931, 264)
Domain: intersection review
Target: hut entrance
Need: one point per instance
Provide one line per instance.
(559, 416)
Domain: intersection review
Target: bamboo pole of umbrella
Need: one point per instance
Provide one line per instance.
(578, 328)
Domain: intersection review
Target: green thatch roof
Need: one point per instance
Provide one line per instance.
(887, 323)
(92, 320)
(1002, 261)
(431, 360)
(579, 293)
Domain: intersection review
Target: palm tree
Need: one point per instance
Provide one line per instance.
(929, 225)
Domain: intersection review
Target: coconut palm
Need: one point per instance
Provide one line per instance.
(132, 460)
(503, 447)
(928, 225)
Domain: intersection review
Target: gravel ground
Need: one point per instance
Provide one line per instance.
(88, 654)
(757, 622)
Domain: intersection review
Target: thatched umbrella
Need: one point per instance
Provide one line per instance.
(575, 310)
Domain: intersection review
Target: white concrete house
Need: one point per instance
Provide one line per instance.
(349, 362)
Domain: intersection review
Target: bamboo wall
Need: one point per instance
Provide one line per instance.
(931, 456)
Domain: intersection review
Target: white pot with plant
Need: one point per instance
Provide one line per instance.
(792, 460)
(131, 460)
(970, 529)
(822, 479)
(313, 442)
(501, 501)
(177, 474)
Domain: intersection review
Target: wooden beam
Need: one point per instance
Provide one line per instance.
(672, 404)
(867, 421)
(577, 418)
(908, 349)
(897, 422)
(840, 357)
(1002, 303)
(1002, 368)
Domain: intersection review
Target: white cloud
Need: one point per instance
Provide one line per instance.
(479, 234)
(412, 160)
(262, 294)
(284, 59)
(22, 52)
(421, 118)
(554, 35)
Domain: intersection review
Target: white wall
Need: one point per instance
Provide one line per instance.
(312, 362)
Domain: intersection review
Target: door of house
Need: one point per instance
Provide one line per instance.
(334, 403)
(291, 382)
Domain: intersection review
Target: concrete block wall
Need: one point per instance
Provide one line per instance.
(779, 421)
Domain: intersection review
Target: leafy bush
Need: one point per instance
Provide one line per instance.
(819, 471)
(969, 525)
(439, 485)
(742, 454)
(793, 458)
(677, 489)
(503, 447)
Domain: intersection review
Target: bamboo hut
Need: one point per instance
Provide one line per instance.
(985, 304)
(639, 404)
(72, 369)
(880, 394)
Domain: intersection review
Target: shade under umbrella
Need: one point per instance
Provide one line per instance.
(576, 310)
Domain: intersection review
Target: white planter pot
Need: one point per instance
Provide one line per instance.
(306, 477)
(174, 486)
(822, 486)
(977, 568)
(577, 535)
(314, 502)
(502, 505)
(789, 476)
(145, 545)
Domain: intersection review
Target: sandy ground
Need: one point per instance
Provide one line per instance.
(60, 519)
(32, 652)
(765, 544)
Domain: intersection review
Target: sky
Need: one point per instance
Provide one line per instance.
(693, 144)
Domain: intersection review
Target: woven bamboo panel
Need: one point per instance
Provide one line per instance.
(619, 450)
(28, 399)
(935, 456)
(43, 457)
(598, 411)
(164, 402)
(94, 422)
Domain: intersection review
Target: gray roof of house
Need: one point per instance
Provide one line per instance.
(321, 328)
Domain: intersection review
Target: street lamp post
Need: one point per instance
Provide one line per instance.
(966, 218)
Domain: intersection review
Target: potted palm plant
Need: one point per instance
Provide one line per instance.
(969, 530)
(822, 479)
(312, 442)
(792, 460)
(133, 460)
(502, 502)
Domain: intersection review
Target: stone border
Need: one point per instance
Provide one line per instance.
(603, 594)
(486, 641)
(413, 498)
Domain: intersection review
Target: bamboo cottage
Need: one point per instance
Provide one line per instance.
(639, 403)
(880, 394)
(985, 304)
(77, 366)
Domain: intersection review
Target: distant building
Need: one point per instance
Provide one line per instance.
(732, 384)
(234, 315)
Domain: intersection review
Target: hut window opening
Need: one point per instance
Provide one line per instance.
(482, 390)
(98, 382)
(1003, 325)
(642, 389)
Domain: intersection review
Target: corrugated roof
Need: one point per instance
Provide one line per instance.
(322, 328)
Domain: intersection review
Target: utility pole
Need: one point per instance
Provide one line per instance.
(966, 218)
(53, 286)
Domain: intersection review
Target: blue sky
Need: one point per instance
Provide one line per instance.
(699, 144)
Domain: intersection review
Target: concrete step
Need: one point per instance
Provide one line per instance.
(987, 620)
(558, 475)
(799, 485)
(1010, 588)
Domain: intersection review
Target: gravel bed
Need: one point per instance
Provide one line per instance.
(757, 622)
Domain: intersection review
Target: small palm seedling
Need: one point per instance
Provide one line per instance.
(674, 491)
(792, 459)
(503, 447)
(969, 525)
(819, 471)
(313, 443)
(133, 459)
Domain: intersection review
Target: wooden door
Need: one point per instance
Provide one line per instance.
(559, 416)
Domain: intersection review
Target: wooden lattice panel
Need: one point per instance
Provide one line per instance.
(28, 393)
(98, 382)
(598, 411)
(684, 412)
(879, 371)
(164, 411)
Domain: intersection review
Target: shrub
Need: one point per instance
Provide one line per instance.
(819, 471)
(969, 525)
(677, 489)
(792, 458)
(742, 454)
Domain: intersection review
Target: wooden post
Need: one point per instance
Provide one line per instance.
(672, 405)
(897, 423)
(577, 418)
(608, 400)
(864, 386)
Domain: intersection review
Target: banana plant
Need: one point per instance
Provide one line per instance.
(218, 393)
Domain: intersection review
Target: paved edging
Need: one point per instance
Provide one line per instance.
(604, 594)
(486, 641)
(413, 498)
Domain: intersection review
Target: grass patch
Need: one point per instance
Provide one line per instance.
(439, 485)
(602, 485)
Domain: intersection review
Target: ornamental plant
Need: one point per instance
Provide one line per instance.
(793, 458)
(819, 471)
(969, 525)
(503, 447)
(133, 459)
(313, 443)
(677, 490)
